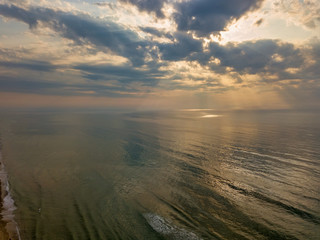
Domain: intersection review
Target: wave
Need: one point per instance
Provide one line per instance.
(8, 206)
(164, 227)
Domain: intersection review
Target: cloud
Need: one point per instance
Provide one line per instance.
(259, 22)
(262, 62)
(156, 32)
(262, 56)
(311, 53)
(41, 66)
(171, 61)
(82, 29)
(305, 12)
(151, 6)
(211, 16)
(11, 11)
(122, 74)
(103, 4)
(182, 47)
(23, 84)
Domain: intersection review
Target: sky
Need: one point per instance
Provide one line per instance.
(160, 54)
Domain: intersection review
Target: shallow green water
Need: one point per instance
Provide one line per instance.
(163, 175)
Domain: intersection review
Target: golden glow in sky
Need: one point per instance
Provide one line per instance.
(161, 54)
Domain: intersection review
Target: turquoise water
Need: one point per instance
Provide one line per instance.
(163, 175)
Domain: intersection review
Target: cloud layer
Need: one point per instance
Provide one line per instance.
(82, 29)
(102, 56)
(211, 16)
(151, 6)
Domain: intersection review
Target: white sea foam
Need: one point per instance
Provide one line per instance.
(162, 226)
(8, 208)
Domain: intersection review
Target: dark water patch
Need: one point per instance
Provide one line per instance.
(194, 170)
(185, 215)
(200, 218)
(185, 156)
(67, 233)
(85, 230)
(134, 150)
(227, 217)
(290, 209)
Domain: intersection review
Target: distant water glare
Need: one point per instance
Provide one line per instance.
(163, 175)
(210, 116)
(196, 109)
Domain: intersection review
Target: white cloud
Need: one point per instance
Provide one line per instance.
(305, 12)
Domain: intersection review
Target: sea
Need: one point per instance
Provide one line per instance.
(182, 174)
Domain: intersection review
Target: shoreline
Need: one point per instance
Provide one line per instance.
(8, 226)
(3, 232)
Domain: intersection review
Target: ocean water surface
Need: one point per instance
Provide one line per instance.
(163, 175)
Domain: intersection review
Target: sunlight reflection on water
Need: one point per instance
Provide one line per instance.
(210, 116)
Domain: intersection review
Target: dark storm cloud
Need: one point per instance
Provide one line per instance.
(183, 46)
(82, 29)
(211, 16)
(151, 6)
